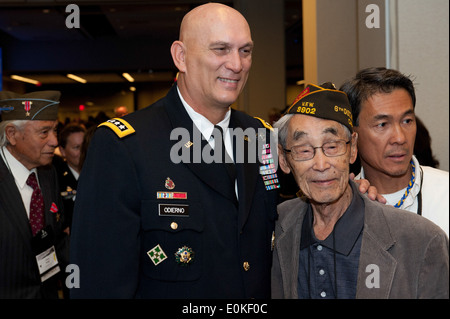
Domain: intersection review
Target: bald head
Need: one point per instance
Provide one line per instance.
(207, 15)
(213, 56)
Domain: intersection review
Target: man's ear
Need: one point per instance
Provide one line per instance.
(283, 160)
(11, 134)
(62, 151)
(178, 55)
(354, 148)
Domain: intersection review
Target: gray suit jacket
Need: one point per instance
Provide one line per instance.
(405, 253)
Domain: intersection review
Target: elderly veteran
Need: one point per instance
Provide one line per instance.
(33, 245)
(333, 242)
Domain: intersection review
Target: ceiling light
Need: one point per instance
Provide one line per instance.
(27, 80)
(76, 78)
(128, 77)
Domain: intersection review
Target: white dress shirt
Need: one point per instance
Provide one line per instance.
(433, 186)
(206, 128)
(20, 174)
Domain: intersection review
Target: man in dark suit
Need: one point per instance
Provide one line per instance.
(154, 217)
(68, 166)
(33, 246)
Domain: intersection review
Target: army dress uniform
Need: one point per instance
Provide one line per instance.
(146, 227)
(68, 184)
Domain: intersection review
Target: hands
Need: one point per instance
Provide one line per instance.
(364, 187)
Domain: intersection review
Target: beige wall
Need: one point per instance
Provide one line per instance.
(337, 41)
(338, 44)
(422, 49)
(266, 86)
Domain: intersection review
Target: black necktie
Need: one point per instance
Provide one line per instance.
(226, 159)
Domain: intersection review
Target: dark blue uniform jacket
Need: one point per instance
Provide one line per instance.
(119, 219)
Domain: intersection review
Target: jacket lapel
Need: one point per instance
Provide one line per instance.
(247, 170)
(288, 246)
(213, 174)
(46, 186)
(376, 265)
(11, 204)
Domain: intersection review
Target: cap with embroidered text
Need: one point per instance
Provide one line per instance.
(325, 102)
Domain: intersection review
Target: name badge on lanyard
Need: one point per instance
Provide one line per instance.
(45, 253)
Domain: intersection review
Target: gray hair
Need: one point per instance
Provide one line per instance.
(283, 123)
(19, 124)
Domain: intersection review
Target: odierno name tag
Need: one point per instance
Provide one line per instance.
(173, 210)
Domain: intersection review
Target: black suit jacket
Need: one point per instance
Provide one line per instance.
(19, 274)
(67, 187)
(119, 219)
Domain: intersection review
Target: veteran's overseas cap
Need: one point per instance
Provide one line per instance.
(38, 106)
(325, 102)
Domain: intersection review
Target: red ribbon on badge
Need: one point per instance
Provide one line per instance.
(54, 208)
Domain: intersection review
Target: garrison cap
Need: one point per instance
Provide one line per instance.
(325, 102)
(38, 106)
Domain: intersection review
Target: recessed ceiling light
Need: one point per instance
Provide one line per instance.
(76, 78)
(128, 77)
(23, 79)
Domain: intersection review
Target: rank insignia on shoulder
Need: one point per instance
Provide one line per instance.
(121, 127)
(266, 125)
(157, 255)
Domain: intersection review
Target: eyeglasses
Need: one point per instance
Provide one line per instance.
(307, 152)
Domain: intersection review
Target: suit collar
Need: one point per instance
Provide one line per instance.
(19, 172)
(213, 174)
(201, 122)
(247, 172)
(12, 206)
(346, 230)
(375, 258)
(376, 262)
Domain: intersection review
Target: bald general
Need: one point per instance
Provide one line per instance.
(213, 56)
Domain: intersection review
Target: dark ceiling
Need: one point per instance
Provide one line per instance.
(114, 37)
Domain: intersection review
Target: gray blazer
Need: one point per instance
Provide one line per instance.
(410, 252)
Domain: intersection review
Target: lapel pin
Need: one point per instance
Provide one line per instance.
(156, 255)
(184, 255)
(169, 184)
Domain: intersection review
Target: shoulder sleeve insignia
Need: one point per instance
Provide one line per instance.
(266, 125)
(121, 127)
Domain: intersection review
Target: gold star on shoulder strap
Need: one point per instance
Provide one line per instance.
(121, 127)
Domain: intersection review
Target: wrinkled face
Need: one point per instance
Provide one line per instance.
(322, 179)
(35, 144)
(387, 131)
(72, 150)
(218, 57)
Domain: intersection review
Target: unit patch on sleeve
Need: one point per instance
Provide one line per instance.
(121, 127)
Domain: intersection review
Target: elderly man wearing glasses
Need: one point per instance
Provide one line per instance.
(333, 242)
